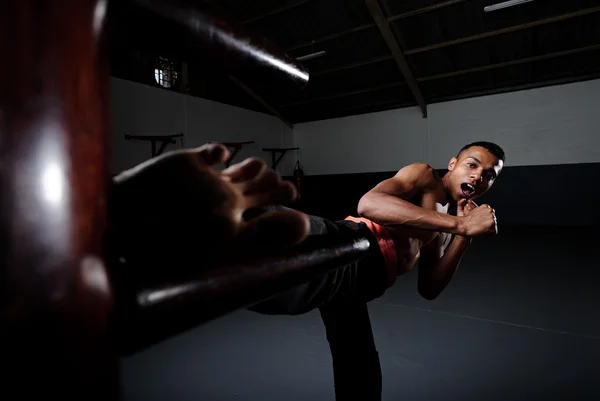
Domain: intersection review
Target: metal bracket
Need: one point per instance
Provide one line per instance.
(235, 146)
(164, 140)
(274, 151)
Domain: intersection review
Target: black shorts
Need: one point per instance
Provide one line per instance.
(361, 281)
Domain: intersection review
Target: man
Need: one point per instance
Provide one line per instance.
(406, 219)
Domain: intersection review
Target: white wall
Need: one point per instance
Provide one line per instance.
(369, 142)
(145, 110)
(551, 125)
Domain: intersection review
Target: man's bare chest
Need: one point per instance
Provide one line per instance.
(435, 200)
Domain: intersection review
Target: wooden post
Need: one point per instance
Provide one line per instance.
(54, 116)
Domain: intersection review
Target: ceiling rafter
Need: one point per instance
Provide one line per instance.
(275, 11)
(486, 35)
(352, 65)
(329, 94)
(260, 100)
(331, 36)
(511, 63)
(502, 31)
(488, 67)
(466, 39)
(384, 27)
(363, 27)
(424, 10)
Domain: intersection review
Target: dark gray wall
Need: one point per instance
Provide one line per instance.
(560, 195)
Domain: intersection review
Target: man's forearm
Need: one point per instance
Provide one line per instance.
(389, 210)
(446, 267)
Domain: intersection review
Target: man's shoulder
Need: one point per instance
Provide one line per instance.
(423, 173)
(420, 167)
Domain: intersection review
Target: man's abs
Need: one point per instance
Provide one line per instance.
(408, 245)
(409, 241)
(402, 245)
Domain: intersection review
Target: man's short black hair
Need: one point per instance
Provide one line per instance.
(490, 146)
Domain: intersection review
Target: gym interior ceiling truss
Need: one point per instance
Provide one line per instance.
(374, 55)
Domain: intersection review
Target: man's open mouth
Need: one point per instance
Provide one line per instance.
(467, 190)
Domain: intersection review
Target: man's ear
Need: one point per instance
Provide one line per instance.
(452, 163)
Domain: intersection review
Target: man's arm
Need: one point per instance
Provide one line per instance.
(436, 267)
(387, 203)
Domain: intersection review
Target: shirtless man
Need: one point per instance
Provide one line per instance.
(406, 219)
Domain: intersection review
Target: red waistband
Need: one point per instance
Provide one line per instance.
(386, 245)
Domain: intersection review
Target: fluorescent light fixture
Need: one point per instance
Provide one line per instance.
(311, 56)
(505, 4)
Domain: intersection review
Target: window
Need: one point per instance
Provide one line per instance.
(165, 72)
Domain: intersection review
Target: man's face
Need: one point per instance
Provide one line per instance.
(472, 173)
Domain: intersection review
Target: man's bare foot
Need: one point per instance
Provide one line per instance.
(179, 209)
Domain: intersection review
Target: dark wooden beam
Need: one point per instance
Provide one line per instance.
(55, 296)
(196, 27)
(390, 40)
(502, 31)
(260, 100)
(276, 11)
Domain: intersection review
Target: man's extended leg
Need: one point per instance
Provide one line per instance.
(356, 367)
(342, 296)
(318, 291)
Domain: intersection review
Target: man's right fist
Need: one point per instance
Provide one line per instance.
(480, 221)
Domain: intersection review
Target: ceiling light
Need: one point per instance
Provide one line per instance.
(505, 4)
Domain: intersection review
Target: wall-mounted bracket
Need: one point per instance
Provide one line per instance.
(164, 140)
(234, 149)
(274, 158)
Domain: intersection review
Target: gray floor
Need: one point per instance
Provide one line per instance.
(519, 322)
